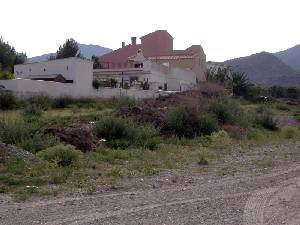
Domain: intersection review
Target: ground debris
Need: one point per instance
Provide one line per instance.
(8, 152)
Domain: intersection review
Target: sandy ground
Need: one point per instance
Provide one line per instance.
(250, 196)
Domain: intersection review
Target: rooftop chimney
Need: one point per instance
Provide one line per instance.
(123, 44)
(133, 40)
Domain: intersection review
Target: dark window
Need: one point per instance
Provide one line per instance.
(44, 70)
(29, 69)
(138, 65)
(67, 67)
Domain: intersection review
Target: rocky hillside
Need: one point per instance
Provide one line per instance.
(86, 50)
(265, 69)
(291, 57)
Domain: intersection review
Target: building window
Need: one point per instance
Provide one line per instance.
(29, 69)
(67, 67)
(44, 70)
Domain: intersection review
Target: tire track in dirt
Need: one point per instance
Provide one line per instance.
(87, 218)
(90, 208)
(258, 202)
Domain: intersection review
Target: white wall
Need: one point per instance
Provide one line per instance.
(180, 79)
(76, 69)
(71, 68)
(27, 88)
(177, 79)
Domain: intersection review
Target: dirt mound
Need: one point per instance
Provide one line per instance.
(76, 135)
(10, 151)
(145, 114)
(155, 110)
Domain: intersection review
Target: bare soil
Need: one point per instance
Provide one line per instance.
(252, 185)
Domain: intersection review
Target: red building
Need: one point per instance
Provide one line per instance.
(157, 46)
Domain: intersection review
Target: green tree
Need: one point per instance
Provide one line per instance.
(6, 75)
(69, 49)
(96, 62)
(9, 57)
(218, 75)
(240, 83)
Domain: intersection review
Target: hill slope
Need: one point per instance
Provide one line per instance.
(291, 57)
(86, 50)
(265, 69)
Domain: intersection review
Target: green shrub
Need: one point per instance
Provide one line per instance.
(6, 75)
(86, 102)
(62, 102)
(43, 102)
(152, 143)
(14, 131)
(122, 133)
(119, 143)
(7, 100)
(283, 107)
(111, 128)
(297, 116)
(32, 111)
(126, 102)
(61, 155)
(220, 139)
(225, 111)
(290, 132)
(266, 121)
(180, 123)
(38, 142)
(184, 124)
(207, 125)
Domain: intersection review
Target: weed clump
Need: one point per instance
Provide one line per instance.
(7, 100)
(32, 112)
(38, 142)
(266, 120)
(14, 131)
(290, 132)
(61, 155)
(181, 123)
(226, 111)
(43, 102)
(122, 133)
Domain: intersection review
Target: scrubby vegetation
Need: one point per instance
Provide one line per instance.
(85, 143)
(7, 101)
(182, 123)
(122, 133)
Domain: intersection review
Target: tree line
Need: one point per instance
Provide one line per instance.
(239, 85)
(10, 57)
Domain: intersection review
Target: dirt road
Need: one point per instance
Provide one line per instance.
(247, 198)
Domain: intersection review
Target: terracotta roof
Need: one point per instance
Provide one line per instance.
(120, 55)
(172, 57)
(156, 32)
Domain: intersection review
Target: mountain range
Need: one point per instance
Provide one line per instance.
(269, 69)
(291, 57)
(86, 50)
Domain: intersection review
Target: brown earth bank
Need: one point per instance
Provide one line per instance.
(250, 185)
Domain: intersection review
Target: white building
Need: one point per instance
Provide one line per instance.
(63, 77)
(158, 76)
(73, 77)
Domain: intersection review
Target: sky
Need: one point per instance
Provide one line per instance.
(225, 28)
